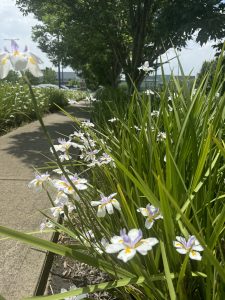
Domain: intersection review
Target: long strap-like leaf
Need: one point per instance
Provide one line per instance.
(92, 288)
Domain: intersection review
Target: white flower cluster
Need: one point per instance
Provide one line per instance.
(127, 245)
(89, 154)
(64, 147)
(66, 192)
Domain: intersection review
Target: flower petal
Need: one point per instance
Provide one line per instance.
(148, 224)
(146, 245)
(143, 211)
(5, 65)
(109, 208)
(101, 211)
(116, 239)
(195, 255)
(33, 67)
(181, 240)
(133, 234)
(116, 204)
(126, 254)
(114, 248)
(197, 248)
(182, 250)
(95, 203)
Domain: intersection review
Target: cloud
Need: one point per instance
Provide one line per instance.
(191, 58)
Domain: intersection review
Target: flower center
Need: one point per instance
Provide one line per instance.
(128, 250)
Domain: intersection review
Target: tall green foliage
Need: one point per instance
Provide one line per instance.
(172, 158)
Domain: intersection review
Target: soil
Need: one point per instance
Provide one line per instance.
(66, 272)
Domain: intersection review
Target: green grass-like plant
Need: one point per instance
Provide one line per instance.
(168, 150)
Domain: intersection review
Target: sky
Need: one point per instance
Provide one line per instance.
(14, 25)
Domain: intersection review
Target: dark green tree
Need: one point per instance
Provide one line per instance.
(129, 31)
(33, 80)
(49, 76)
(12, 77)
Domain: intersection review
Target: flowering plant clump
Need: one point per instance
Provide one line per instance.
(171, 160)
(128, 244)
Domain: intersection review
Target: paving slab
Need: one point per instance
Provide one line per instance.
(21, 151)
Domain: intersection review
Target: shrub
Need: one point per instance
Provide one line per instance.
(55, 97)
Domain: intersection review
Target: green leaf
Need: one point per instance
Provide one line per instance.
(92, 288)
(207, 252)
(167, 272)
(64, 251)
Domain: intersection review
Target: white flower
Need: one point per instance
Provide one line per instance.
(78, 134)
(74, 297)
(59, 210)
(145, 67)
(37, 183)
(66, 187)
(64, 156)
(113, 120)
(152, 213)
(105, 159)
(56, 211)
(155, 113)
(106, 204)
(137, 128)
(191, 246)
(47, 224)
(19, 61)
(87, 124)
(61, 199)
(64, 145)
(89, 155)
(149, 92)
(71, 101)
(129, 244)
(161, 136)
(59, 171)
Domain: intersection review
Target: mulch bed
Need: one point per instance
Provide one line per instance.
(66, 272)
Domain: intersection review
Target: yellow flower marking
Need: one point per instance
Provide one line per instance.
(104, 204)
(177, 244)
(127, 250)
(4, 60)
(16, 53)
(139, 243)
(32, 60)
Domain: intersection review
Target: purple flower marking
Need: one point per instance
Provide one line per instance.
(152, 210)
(105, 199)
(127, 240)
(190, 242)
(14, 45)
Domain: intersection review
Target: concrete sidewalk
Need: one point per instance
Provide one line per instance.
(20, 151)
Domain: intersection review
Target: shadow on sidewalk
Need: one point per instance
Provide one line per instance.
(33, 149)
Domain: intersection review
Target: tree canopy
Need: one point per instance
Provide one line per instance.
(101, 37)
